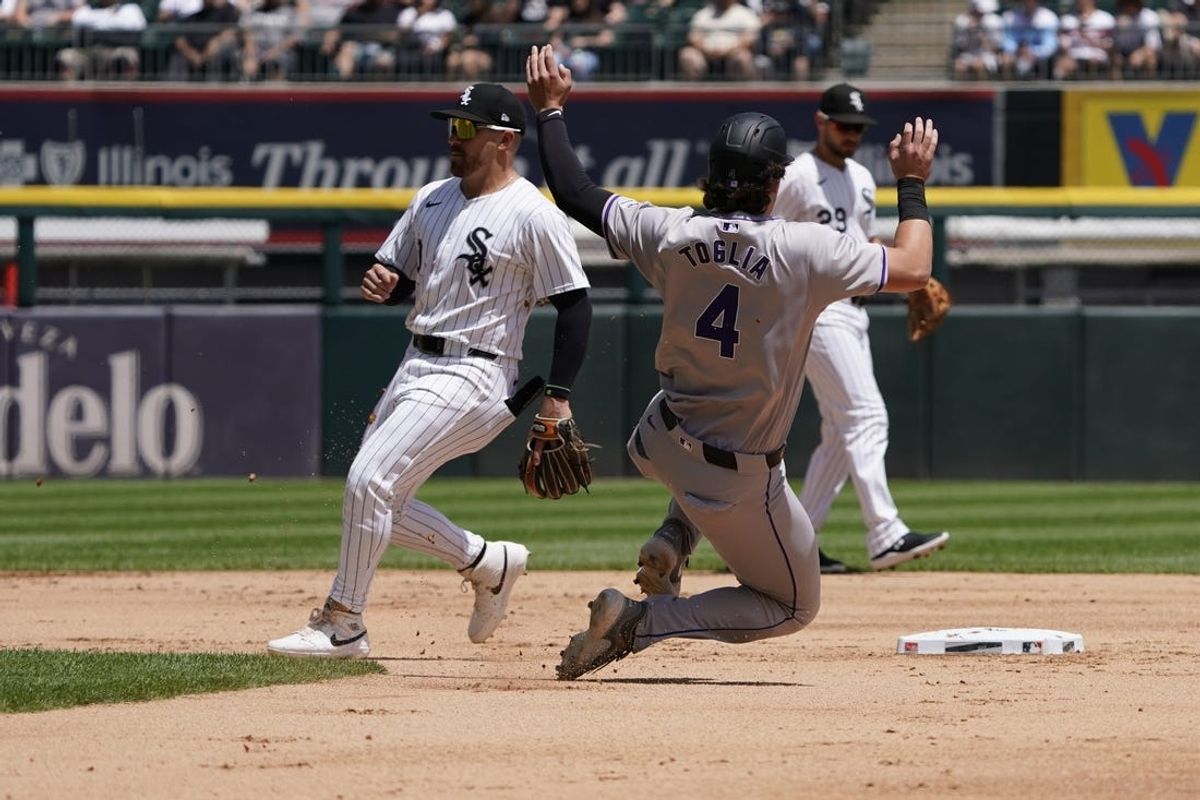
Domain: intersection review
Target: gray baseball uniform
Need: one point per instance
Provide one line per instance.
(741, 294)
(854, 419)
(480, 266)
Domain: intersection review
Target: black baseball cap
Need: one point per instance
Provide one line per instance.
(487, 104)
(845, 103)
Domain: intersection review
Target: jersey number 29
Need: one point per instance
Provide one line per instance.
(724, 307)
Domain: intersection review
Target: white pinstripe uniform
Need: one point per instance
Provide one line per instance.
(480, 265)
(854, 420)
(740, 296)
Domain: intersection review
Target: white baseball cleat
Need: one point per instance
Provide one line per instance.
(493, 579)
(328, 634)
(911, 545)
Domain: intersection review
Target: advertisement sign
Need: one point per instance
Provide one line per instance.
(323, 139)
(1131, 138)
(132, 392)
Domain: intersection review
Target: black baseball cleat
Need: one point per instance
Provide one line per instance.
(831, 566)
(911, 545)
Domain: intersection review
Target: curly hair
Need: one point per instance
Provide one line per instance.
(750, 196)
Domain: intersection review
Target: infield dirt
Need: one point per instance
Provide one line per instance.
(830, 712)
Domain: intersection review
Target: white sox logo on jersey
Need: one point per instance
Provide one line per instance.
(478, 255)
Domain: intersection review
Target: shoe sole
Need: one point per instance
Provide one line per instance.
(656, 561)
(518, 560)
(606, 612)
(896, 559)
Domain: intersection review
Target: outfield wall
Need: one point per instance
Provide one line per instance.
(193, 391)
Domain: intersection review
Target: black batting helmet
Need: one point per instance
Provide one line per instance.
(743, 146)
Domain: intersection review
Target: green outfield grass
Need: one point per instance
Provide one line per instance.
(38, 680)
(294, 524)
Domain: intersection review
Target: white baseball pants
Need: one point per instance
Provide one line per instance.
(854, 426)
(435, 409)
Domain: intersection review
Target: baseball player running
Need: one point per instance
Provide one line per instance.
(828, 186)
(741, 292)
(479, 250)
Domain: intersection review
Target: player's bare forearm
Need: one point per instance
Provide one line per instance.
(910, 261)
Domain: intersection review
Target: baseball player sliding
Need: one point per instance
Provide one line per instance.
(829, 187)
(477, 251)
(741, 293)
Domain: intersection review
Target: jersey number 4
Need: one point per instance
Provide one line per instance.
(724, 307)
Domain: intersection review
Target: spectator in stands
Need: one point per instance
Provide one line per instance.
(977, 41)
(1030, 40)
(364, 43)
(580, 50)
(45, 14)
(721, 42)
(793, 37)
(212, 52)
(1137, 41)
(1085, 42)
(325, 14)
(470, 57)
(176, 10)
(270, 33)
(107, 37)
(14, 14)
(1181, 36)
(429, 28)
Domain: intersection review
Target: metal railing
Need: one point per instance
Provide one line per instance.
(241, 245)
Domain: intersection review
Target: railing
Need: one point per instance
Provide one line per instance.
(288, 245)
(638, 52)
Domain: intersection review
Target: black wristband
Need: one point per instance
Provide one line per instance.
(560, 392)
(549, 113)
(910, 196)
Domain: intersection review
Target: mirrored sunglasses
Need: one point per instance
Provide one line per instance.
(466, 129)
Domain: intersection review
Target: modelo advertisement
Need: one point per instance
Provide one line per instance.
(128, 392)
(318, 139)
(1131, 138)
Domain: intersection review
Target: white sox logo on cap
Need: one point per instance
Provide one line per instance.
(465, 98)
(855, 100)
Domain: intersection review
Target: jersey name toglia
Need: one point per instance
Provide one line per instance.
(481, 264)
(814, 191)
(740, 296)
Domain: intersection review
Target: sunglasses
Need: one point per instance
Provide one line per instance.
(849, 127)
(464, 129)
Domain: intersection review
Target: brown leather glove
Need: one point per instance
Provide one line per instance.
(565, 466)
(927, 308)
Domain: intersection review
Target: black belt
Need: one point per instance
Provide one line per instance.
(715, 455)
(436, 346)
(859, 300)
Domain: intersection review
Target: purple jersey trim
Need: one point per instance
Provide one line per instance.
(883, 280)
(604, 225)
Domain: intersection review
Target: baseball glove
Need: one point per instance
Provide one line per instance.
(565, 466)
(927, 308)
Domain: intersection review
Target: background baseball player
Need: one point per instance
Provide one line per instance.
(828, 186)
(741, 291)
(480, 249)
